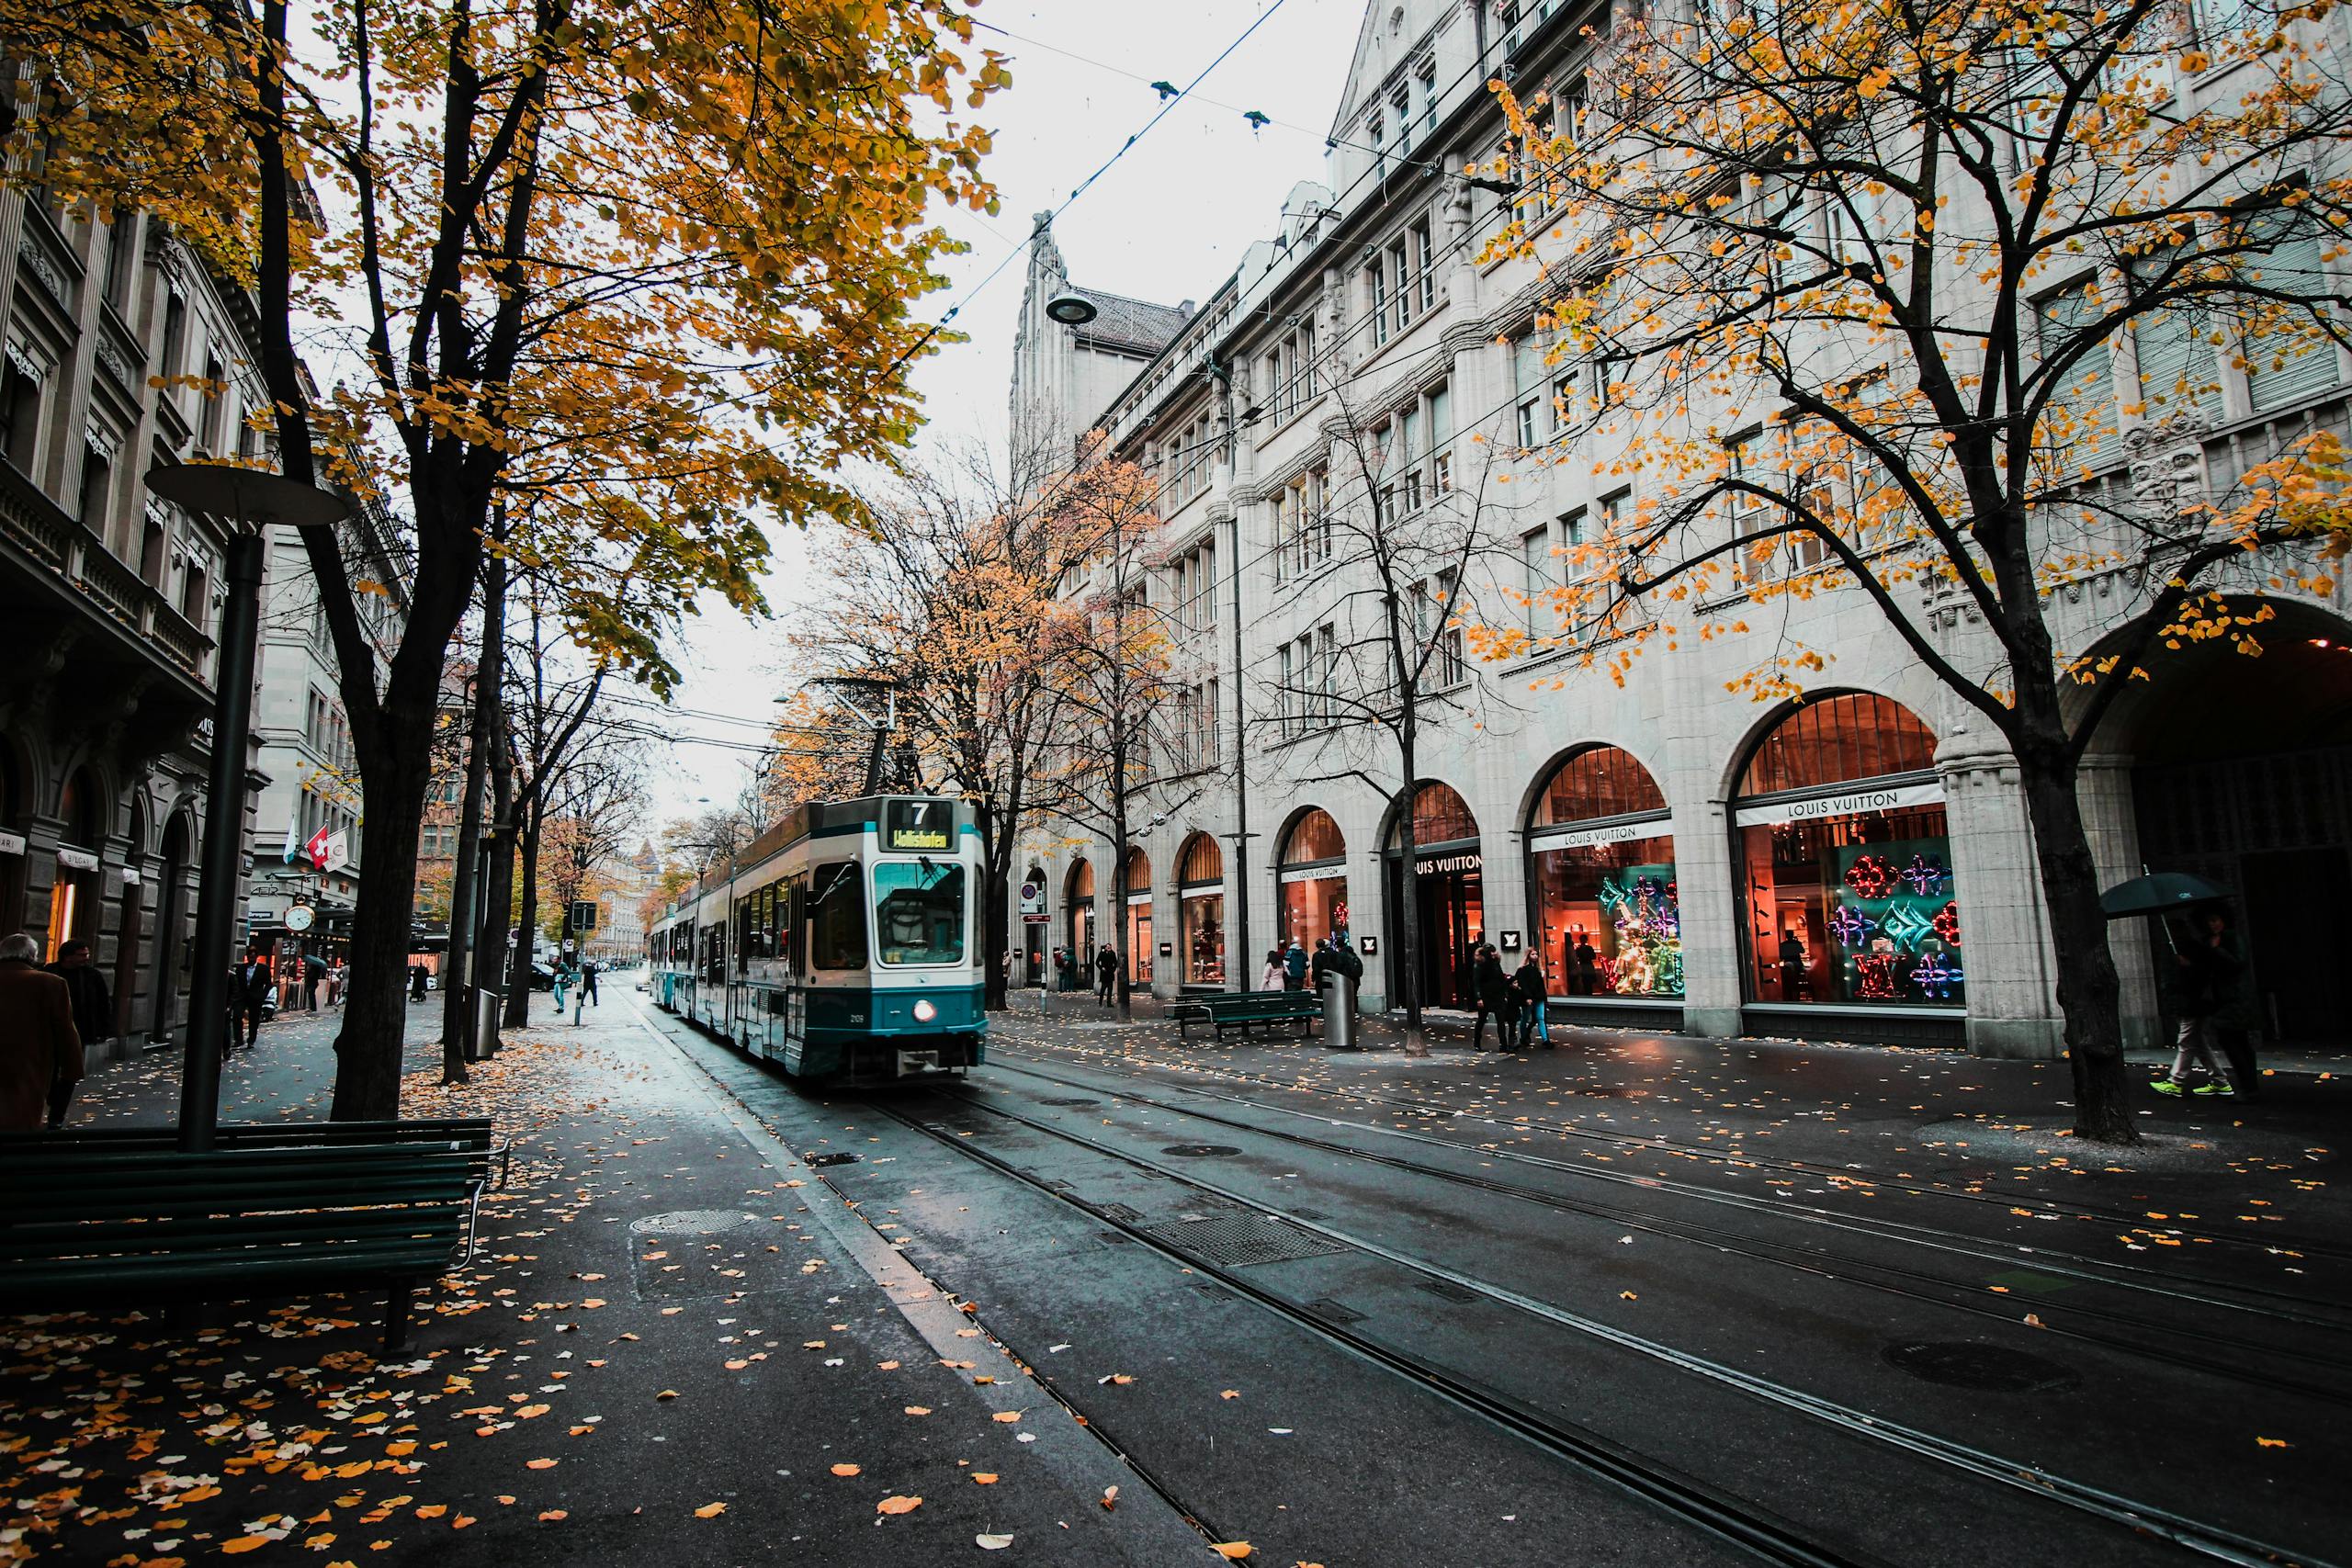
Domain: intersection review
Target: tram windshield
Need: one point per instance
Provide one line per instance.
(918, 911)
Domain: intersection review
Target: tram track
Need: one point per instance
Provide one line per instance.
(1693, 1501)
(1847, 1178)
(1820, 1262)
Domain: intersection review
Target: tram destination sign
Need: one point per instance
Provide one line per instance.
(918, 825)
(1846, 803)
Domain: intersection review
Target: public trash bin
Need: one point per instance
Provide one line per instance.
(1338, 1012)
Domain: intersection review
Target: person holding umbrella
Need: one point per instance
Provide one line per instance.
(2205, 979)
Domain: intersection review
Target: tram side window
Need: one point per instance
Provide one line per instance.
(792, 908)
(836, 918)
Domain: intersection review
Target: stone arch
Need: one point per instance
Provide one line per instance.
(1530, 798)
(1777, 722)
(1432, 792)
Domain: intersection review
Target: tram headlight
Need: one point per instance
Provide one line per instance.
(924, 1011)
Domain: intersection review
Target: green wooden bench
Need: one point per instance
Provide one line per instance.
(83, 1224)
(1246, 1010)
(472, 1135)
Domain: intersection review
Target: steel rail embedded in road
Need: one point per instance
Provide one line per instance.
(1844, 1176)
(2211, 1541)
(1809, 1260)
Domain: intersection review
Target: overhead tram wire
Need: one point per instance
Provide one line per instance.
(934, 329)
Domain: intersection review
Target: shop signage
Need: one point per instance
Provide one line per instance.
(1469, 861)
(1369, 946)
(1849, 803)
(1314, 873)
(76, 859)
(1508, 941)
(1587, 838)
(12, 843)
(1167, 949)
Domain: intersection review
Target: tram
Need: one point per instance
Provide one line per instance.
(841, 944)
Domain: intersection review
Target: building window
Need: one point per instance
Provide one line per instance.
(1375, 276)
(20, 407)
(1849, 890)
(1200, 892)
(1602, 880)
(1311, 877)
(1138, 917)
(91, 502)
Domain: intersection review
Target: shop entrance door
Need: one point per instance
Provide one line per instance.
(1452, 922)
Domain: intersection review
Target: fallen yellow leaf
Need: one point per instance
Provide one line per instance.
(710, 1510)
(547, 1514)
(1008, 1416)
(2271, 1442)
(992, 1542)
(1231, 1551)
(1110, 1496)
(542, 1465)
(1230, 1393)
(245, 1543)
(917, 1409)
(898, 1504)
(846, 1469)
(983, 1478)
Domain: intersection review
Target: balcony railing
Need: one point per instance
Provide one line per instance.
(39, 528)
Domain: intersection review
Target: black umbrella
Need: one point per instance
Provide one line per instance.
(2158, 894)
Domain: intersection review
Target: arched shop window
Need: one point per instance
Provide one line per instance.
(1200, 893)
(1138, 917)
(1847, 888)
(1311, 874)
(73, 895)
(1440, 816)
(1600, 880)
(1450, 896)
(1080, 937)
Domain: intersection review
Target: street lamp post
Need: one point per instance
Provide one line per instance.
(244, 502)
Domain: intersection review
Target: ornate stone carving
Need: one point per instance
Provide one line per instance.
(2169, 466)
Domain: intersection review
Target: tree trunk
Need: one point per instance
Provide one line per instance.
(1408, 894)
(526, 923)
(996, 876)
(375, 1021)
(2089, 994)
(1121, 925)
(463, 967)
(497, 899)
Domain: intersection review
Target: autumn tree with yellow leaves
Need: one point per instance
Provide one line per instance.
(649, 261)
(954, 593)
(1871, 298)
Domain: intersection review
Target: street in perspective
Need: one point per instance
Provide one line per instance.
(1367, 785)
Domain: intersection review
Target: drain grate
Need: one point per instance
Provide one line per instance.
(1990, 1368)
(1446, 1289)
(1240, 1240)
(690, 1222)
(1121, 1211)
(1330, 1310)
(1200, 1151)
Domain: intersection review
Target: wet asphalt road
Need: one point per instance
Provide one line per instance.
(1424, 1314)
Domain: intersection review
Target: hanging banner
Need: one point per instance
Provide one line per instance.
(1589, 838)
(1851, 803)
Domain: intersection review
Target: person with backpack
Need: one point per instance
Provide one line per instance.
(1293, 960)
(1533, 1025)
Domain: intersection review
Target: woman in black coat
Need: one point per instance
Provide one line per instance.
(1494, 996)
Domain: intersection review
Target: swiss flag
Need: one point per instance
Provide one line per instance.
(316, 850)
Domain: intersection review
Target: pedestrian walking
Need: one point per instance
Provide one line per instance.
(1534, 1027)
(1106, 974)
(314, 980)
(40, 1052)
(588, 983)
(1494, 993)
(337, 978)
(248, 996)
(1294, 966)
(416, 978)
(2206, 971)
(567, 982)
(1276, 975)
(92, 1004)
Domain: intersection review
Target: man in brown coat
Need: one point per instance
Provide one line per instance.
(41, 1054)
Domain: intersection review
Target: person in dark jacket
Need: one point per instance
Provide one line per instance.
(40, 1052)
(92, 1004)
(1529, 983)
(588, 984)
(1106, 975)
(248, 994)
(1294, 966)
(1494, 998)
(2206, 971)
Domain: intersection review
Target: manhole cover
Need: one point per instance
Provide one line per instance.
(1239, 1240)
(1076, 1104)
(1200, 1151)
(690, 1222)
(1990, 1368)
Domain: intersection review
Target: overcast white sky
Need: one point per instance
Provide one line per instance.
(1168, 222)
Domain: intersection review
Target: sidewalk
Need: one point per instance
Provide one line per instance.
(673, 1346)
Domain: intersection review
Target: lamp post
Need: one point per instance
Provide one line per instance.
(243, 502)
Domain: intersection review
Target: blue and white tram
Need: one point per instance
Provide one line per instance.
(842, 946)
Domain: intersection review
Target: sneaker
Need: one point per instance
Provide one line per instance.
(2213, 1091)
(2166, 1086)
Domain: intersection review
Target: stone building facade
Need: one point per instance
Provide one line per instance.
(1857, 866)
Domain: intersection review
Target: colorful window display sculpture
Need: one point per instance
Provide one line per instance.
(1647, 913)
(1897, 925)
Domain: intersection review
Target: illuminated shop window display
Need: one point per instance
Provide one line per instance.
(1313, 881)
(1201, 902)
(1847, 880)
(1138, 918)
(1601, 878)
